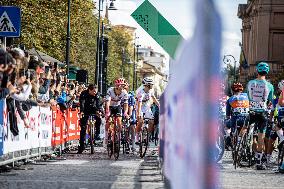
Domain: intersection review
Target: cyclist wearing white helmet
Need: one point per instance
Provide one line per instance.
(145, 96)
(260, 93)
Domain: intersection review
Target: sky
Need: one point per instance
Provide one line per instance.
(180, 13)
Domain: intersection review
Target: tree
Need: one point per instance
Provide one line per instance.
(44, 25)
(119, 39)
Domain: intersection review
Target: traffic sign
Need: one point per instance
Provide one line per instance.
(149, 18)
(10, 21)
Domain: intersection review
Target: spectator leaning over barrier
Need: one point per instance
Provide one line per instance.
(7, 66)
(62, 99)
(90, 104)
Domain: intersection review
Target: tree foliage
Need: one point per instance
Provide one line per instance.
(120, 40)
(44, 26)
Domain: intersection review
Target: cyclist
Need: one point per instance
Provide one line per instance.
(90, 104)
(132, 115)
(280, 120)
(144, 96)
(115, 98)
(260, 93)
(237, 110)
(271, 131)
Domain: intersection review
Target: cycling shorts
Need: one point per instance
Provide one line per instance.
(115, 110)
(147, 113)
(260, 120)
(240, 120)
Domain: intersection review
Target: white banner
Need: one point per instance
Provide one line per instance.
(38, 133)
(45, 127)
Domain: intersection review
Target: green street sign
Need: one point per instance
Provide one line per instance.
(149, 18)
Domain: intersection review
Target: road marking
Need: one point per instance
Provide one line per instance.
(70, 162)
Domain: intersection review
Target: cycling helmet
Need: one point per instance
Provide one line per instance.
(262, 67)
(120, 81)
(281, 85)
(237, 87)
(147, 81)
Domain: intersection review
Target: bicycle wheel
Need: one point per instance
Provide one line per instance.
(144, 142)
(92, 138)
(220, 147)
(123, 140)
(109, 144)
(243, 155)
(116, 146)
(156, 135)
(280, 156)
(235, 148)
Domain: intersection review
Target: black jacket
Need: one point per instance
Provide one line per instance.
(90, 104)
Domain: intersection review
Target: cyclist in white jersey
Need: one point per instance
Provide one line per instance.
(115, 98)
(260, 93)
(144, 96)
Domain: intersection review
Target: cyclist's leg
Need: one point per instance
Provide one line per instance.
(149, 115)
(83, 125)
(253, 120)
(98, 127)
(262, 124)
(138, 127)
(271, 140)
(229, 128)
(132, 129)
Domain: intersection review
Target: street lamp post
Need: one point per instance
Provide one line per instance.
(227, 60)
(68, 38)
(100, 45)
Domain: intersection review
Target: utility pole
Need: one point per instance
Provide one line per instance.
(68, 41)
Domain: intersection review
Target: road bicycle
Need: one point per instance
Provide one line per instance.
(91, 131)
(246, 154)
(236, 142)
(144, 138)
(125, 131)
(113, 145)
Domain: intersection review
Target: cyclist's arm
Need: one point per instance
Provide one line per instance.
(156, 101)
(125, 103)
(249, 91)
(139, 105)
(130, 110)
(108, 100)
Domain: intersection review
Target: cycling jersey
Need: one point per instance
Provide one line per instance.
(259, 92)
(238, 105)
(116, 100)
(131, 99)
(131, 103)
(145, 98)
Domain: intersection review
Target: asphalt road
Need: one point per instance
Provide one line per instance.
(97, 171)
(249, 177)
(87, 171)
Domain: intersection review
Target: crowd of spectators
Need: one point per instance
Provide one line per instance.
(27, 81)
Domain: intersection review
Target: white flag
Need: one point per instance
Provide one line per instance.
(192, 106)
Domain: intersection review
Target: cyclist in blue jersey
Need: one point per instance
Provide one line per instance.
(132, 114)
(260, 93)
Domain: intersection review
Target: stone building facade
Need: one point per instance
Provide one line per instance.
(262, 36)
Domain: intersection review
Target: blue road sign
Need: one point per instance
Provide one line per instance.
(10, 21)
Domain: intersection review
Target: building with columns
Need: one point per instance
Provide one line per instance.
(262, 36)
